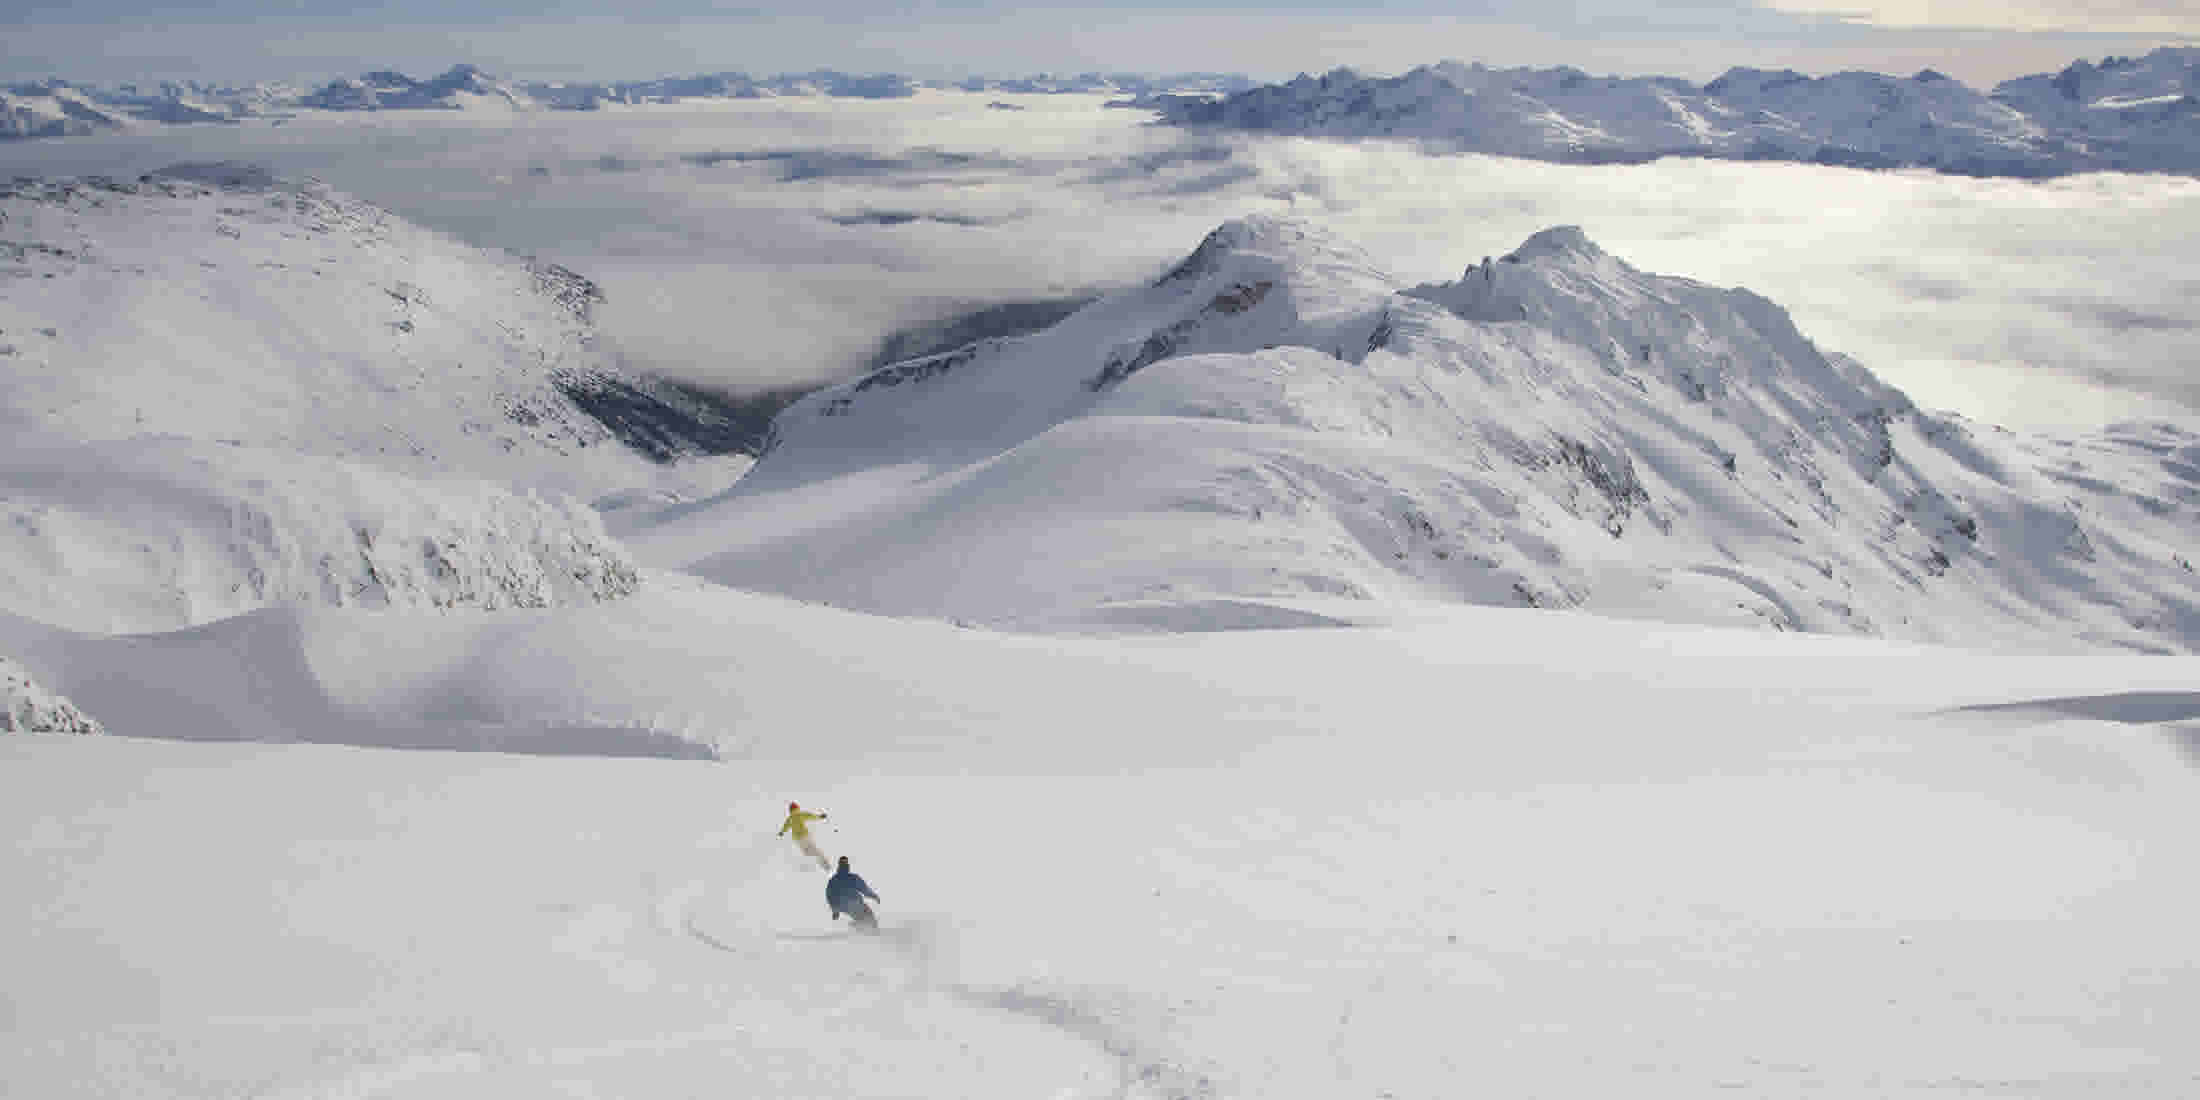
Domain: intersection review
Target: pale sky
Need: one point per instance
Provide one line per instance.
(1979, 41)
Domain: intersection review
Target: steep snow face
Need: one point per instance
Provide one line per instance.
(214, 302)
(1276, 419)
(161, 533)
(28, 707)
(2028, 128)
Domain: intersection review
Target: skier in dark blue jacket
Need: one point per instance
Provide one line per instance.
(845, 893)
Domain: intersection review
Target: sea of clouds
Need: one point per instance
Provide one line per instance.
(756, 244)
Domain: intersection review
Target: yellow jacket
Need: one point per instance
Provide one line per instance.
(799, 823)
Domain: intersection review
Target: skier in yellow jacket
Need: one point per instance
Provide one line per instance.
(798, 823)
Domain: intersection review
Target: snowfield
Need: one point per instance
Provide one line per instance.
(1460, 850)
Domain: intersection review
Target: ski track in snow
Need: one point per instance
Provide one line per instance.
(1097, 1017)
(1093, 1016)
(1144, 1068)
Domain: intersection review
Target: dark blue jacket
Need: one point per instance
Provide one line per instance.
(845, 889)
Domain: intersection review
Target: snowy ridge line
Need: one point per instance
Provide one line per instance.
(1279, 419)
(2124, 114)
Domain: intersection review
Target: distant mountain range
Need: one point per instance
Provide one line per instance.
(2124, 114)
(2137, 114)
(62, 108)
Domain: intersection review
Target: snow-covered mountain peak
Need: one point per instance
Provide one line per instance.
(462, 87)
(1276, 419)
(1558, 242)
(2126, 114)
(1743, 79)
(1272, 244)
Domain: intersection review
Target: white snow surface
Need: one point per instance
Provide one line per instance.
(1277, 419)
(1464, 851)
(222, 391)
(157, 533)
(216, 302)
(26, 706)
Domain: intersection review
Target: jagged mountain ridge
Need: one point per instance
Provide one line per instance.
(1278, 419)
(2125, 114)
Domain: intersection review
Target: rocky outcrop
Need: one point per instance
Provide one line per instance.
(27, 707)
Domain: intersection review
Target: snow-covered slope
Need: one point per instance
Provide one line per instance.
(2125, 115)
(1479, 852)
(26, 706)
(213, 302)
(222, 391)
(1276, 418)
(2140, 113)
(158, 533)
(2116, 89)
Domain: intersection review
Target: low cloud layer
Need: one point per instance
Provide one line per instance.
(768, 243)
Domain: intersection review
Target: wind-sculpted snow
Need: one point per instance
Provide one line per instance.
(2125, 114)
(1277, 419)
(161, 533)
(26, 706)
